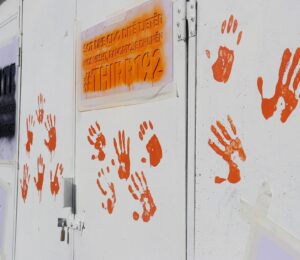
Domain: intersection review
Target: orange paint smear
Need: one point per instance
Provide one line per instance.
(223, 65)
(140, 191)
(54, 184)
(131, 53)
(231, 146)
(29, 126)
(25, 182)
(282, 89)
(207, 52)
(123, 153)
(40, 178)
(98, 141)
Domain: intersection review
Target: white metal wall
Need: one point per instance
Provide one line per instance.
(272, 151)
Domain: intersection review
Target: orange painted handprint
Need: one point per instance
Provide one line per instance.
(54, 184)
(97, 139)
(153, 145)
(230, 147)
(29, 125)
(268, 105)
(50, 127)
(123, 156)
(25, 182)
(108, 192)
(40, 111)
(40, 178)
(140, 192)
(223, 65)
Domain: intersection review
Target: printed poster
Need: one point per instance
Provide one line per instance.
(129, 58)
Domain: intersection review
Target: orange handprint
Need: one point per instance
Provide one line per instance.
(230, 147)
(108, 192)
(153, 146)
(50, 127)
(54, 184)
(29, 125)
(268, 105)
(40, 111)
(140, 191)
(41, 171)
(97, 139)
(223, 65)
(123, 156)
(24, 183)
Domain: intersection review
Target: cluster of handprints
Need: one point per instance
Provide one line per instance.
(49, 124)
(285, 94)
(135, 181)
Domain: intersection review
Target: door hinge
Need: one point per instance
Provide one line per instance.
(185, 17)
(191, 11)
(180, 19)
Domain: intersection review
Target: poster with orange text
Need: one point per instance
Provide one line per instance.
(127, 59)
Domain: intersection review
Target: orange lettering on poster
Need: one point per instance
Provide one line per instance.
(131, 53)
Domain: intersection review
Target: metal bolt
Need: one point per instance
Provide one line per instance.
(192, 19)
(179, 11)
(192, 6)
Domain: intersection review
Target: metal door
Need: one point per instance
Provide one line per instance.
(115, 226)
(46, 155)
(247, 159)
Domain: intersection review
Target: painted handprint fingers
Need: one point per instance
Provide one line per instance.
(116, 147)
(134, 183)
(223, 131)
(295, 62)
(296, 81)
(230, 22)
(232, 125)
(216, 148)
(133, 192)
(104, 192)
(218, 136)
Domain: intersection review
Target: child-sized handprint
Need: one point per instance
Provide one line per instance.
(230, 147)
(40, 111)
(222, 67)
(25, 182)
(107, 190)
(268, 105)
(153, 145)
(50, 127)
(29, 127)
(97, 139)
(54, 184)
(40, 178)
(123, 155)
(140, 192)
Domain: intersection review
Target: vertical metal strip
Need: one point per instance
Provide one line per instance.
(191, 125)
